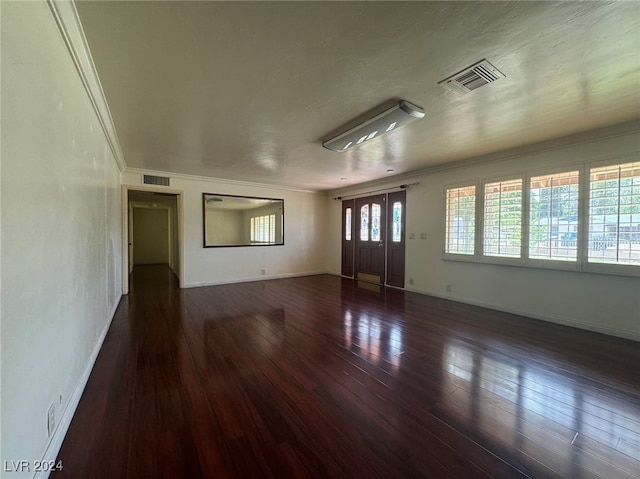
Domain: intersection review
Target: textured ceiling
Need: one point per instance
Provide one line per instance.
(248, 90)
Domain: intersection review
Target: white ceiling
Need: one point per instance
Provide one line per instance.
(248, 90)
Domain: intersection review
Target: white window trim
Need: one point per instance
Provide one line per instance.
(469, 258)
(603, 268)
(581, 264)
(482, 258)
(573, 265)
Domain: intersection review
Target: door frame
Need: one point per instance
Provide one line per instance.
(386, 235)
(125, 230)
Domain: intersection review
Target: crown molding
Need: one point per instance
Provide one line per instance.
(211, 179)
(68, 22)
(586, 137)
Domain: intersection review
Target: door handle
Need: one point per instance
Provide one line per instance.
(380, 245)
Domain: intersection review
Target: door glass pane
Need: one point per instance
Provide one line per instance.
(397, 226)
(364, 223)
(375, 222)
(347, 225)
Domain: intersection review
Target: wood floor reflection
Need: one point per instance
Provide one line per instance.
(314, 377)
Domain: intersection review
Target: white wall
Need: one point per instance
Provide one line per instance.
(173, 237)
(61, 246)
(599, 302)
(304, 246)
(150, 236)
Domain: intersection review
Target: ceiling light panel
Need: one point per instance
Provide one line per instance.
(392, 119)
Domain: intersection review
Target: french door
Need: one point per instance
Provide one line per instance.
(373, 238)
(370, 238)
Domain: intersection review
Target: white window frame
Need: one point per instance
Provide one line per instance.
(574, 265)
(581, 263)
(253, 229)
(473, 258)
(605, 268)
(519, 261)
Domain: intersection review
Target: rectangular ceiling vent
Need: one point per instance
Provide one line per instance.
(472, 78)
(155, 180)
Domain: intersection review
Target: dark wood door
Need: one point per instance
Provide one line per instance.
(396, 216)
(348, 228)
(370, 233)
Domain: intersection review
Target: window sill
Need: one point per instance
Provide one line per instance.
(573, 266)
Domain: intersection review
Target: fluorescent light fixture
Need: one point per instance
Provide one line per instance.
(389, 120)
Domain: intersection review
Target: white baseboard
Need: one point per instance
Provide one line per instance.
(534, 315)
(253, 278)
(55, 444)
(530, 314)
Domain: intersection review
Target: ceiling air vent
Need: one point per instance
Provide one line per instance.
(155, 180)
(469, 79)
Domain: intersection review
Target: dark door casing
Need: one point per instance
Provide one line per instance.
(396, 242)
(348, 233)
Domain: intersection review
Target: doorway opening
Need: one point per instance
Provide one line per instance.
(373, 239)
(152, 230)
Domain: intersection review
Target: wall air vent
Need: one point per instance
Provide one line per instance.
(469, 79)
(155, 180)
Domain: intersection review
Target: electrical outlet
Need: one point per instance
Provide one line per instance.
(448, 288)
(51, 419)
(410, 280)
(412, 235)
(263, 272)
(423, 235)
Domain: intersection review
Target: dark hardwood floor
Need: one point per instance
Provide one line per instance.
(315, 377)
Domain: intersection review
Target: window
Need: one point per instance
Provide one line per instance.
(585, 219)
(553, 216)
(460, 227)
(347, 224)
(614, 214)
(396, 235)
(503, 218)
(263, 229)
